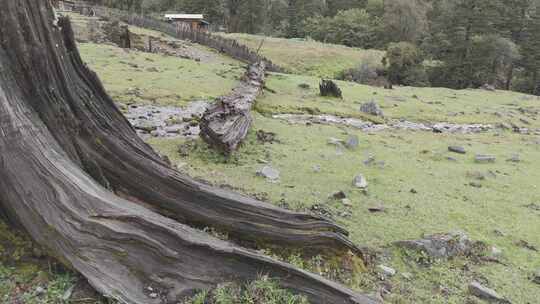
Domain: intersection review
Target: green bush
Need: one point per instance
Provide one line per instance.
(404, 65)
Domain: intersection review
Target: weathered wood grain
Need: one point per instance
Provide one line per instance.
(66, 152)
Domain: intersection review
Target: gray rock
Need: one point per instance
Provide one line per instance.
(352, 142)
(316, 168)
(536, 277)
(335, 141)
(269, 173)
(146, 126)
(371, 108)
(346, 202)
(514, 158)
(475, 184)
(495, 252)
(485, 293)
(174, 129)
(40, 290)
(457, 149)
(153, 295)
(484, 159)
(387, 271)
(339, 195)
(441, 246)
(360, 181)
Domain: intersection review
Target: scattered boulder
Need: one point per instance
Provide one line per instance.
(485, 293)
(339, 195)
(536, 277)
(475, 184)
(360, 182)
(376, 209)
(489, 87)
(40, 290)
(335, 141)
(352, 142)
(442, 245)
(266, 137)
(457, 149)
(484, 159)
(514, 158)
(269, 173)
(346, 202)
(476, 175)
(304, 86)
(371, 108)
(495, 252)
(387, 271)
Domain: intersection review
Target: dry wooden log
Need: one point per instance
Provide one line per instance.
(66, 152)
(226, 123)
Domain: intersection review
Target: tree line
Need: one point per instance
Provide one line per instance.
(450, 43)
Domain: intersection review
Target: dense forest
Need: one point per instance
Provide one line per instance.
(450, 43)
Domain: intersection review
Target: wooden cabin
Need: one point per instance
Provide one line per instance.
(194, 22)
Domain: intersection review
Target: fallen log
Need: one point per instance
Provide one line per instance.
(76, 176)
(226, 123)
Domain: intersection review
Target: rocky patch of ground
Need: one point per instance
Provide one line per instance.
(367, 126)
(172, 122)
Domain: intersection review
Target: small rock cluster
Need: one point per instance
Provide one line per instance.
(154, 121)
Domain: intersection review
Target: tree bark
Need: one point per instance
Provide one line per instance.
(226, 124)
(75, 175)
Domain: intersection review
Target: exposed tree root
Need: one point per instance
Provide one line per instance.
(64, 146)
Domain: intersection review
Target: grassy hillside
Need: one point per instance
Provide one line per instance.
(309, 57)
(131, 76)
(422, 187)
(288, 94)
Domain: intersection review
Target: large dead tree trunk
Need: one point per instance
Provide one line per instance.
(226, 124)
(75, 175)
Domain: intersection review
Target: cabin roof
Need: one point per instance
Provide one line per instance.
(185, 16)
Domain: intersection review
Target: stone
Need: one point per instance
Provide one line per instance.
(316, 168)
(495, 252)
(484, 159)
(387, 271)
(457, 149)
(475, 184)
(146, 127)
(369, 161)
(485, 293)
(346, 202)
(376, 209)
(153, 295)
(441, 245)
(489, 87)
(339, 195)
(40, 290)
(173, 129)
(335, 141)
(269, 173)
(352, 142)
(371, 108)
(536, 276)
(476, 175)
(514, 158)
(360, 182)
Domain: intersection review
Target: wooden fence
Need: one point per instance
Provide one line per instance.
(228, 46)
